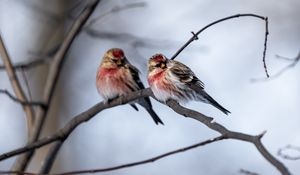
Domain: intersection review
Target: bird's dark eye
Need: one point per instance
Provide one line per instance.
(161, 65)
(157, 65)
(119, 62)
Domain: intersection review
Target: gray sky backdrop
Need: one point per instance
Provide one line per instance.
(226, 57)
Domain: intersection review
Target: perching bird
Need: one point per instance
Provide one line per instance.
(171, 79)
(116, 77)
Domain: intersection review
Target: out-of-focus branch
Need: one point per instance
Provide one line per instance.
(28, 64)
(55, 69)
(281, 152)
(50, 157)
(247, 172)
(32, 103)
(195, 35)
(41, 58)
(132, 40)
(293, 63)
(63, 133)
(115, 9)
(16, 85)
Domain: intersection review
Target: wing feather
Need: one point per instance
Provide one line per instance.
(185, 74)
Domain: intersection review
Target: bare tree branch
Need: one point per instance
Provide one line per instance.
(150, 160)
(28, 103)
(132, 40)
(63, 133)
(41, 11)
(51, 82)
(115, 9)
(27, 84)
(195, 35)
(256, 140)
(43, 59)
(285, 155)
(40, 59)
(16, 85)
(293, 63)
(26, 65)
(265, 46)
(50, 157)
(128, 165)
(247, 172)
(17, 172)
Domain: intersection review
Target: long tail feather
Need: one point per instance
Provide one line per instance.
(134, 107)
(154, 116)
(214, 103)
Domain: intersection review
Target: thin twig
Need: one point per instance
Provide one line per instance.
(195, 35)
(142, 162)
(16, 85)
(286, 156)
(27, 103)
(63, 133)
(286, 58)
(284, 69)
(247, 172)
(265, 46)
(54, 72)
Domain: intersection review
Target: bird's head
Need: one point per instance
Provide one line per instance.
(114, 57)
(157, 63)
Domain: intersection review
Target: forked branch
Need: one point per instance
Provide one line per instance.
(196, 37)
(63, 133)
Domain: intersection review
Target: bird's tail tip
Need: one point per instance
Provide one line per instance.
(155, 117)
(225, 111)
(216, 104)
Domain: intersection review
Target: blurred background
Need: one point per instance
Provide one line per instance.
(226, 58)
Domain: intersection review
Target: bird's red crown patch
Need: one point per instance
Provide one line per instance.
(158, 58)
(118, 53)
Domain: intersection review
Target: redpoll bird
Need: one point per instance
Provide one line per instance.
(116, 77)
(171, 79)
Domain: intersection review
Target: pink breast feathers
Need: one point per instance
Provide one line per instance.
(107, 72)
(103, 75)
(156, 77)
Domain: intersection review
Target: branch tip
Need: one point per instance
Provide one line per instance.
(262, 134)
